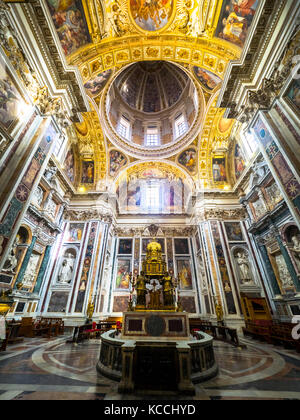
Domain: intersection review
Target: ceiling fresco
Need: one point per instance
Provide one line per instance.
(101, 37)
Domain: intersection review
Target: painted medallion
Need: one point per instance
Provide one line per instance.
(151, 15)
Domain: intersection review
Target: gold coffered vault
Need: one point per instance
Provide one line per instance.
(149, 172)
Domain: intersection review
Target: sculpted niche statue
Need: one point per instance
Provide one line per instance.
(31, 271)
(66, 270)
(38, 196)
(11, 262)
(244, 267)
(284, 273)
(50, 173)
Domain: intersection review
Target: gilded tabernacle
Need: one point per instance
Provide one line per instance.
(153, 288)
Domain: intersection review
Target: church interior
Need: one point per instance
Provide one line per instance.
(149, 199)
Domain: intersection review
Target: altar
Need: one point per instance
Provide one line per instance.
(155, 351)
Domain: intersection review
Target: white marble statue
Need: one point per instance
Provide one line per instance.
(244, 267)
(274, 193)
(50, 173)
(31, 271)
(284, 274)
(38, 196)
(11, 262)
(259, 208)
(296, 243)
(51, 209)
(66, 270)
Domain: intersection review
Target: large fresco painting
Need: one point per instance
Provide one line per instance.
(116, 161)
(151, 15)
(235, 20)
(188, 159)
(70, 24)
(94, 86)
(207, 79)
(10, 99)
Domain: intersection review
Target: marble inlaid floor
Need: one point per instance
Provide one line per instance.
(42, 369)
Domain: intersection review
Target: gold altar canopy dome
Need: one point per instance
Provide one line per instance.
(154, 247)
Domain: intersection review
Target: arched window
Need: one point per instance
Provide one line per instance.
(152, 136)
(124, 128)
(180, 125)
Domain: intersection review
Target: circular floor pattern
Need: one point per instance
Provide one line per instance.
(236, 366)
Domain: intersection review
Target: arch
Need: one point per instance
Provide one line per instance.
(288, 231)
(187, 176)
(28, 230)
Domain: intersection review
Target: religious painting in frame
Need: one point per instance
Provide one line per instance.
(184, 274)
(235, 20)
(151, 16)
(293, 95)
(219, 169)
(74, 233)
(11, 102)
(146, 242)
(122, 274)
(125, 246)
(70, 23)
(181, 246)
(234, 231)
(88, 172)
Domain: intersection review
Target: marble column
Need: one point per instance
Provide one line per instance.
(43, 268)
(266, 260)
(25, 262)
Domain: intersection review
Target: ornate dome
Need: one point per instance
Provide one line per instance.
(151, 86)
(151, 109)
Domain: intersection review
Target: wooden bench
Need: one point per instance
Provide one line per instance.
(278, 333)
(55, 326)
(49, 327)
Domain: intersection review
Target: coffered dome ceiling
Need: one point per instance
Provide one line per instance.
(151, 86)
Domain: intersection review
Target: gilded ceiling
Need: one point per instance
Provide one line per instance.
(101, 37)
